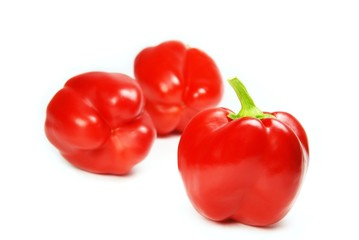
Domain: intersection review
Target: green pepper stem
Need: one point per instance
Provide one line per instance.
(249, 109)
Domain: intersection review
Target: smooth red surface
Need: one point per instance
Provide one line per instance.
(98, 123)
(178, 82)
(248, 170)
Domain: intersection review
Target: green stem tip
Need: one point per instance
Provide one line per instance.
(249, 109)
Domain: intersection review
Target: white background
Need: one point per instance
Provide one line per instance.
(296, 56)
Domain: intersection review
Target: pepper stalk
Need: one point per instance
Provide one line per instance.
(249, 109)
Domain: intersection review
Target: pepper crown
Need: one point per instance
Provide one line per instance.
(249, 109)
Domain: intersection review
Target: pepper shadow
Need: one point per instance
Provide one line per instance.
(233, 223)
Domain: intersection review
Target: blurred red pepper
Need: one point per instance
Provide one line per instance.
(247, 167)
(178, 82)
(98, 123)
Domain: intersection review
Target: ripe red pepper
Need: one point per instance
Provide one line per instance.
(247, 167)
(97, 122)
(178, 82)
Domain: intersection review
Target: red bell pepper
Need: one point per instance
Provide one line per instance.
(98, 123)
(247, 167)
(178, 82)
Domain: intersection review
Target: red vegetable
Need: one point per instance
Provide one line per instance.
(178, 82)
(98, 123)
(247, 167)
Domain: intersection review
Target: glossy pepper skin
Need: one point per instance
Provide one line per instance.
(178, 82)
(247, 167)
(98, 123)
